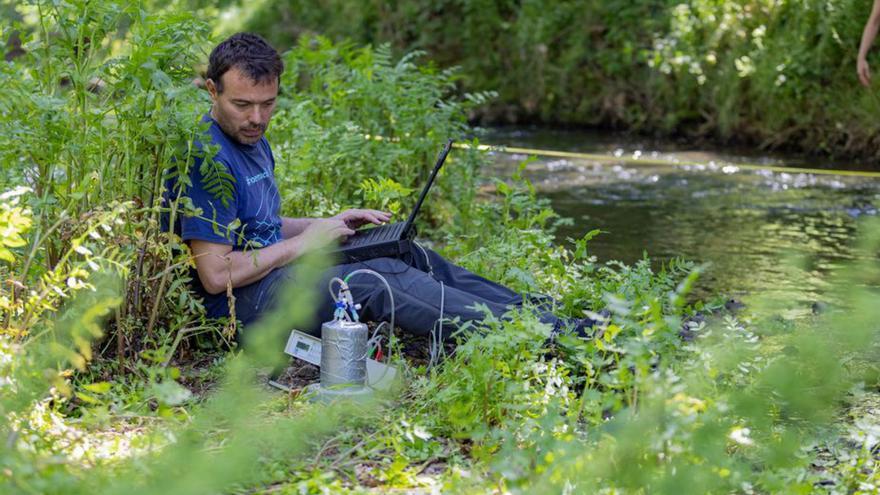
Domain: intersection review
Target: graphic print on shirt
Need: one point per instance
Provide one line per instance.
(264, 220)
(263, 232)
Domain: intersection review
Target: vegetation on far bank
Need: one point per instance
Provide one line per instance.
(113, 381)
(775, 74)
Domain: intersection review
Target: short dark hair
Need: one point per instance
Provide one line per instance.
(250, 53)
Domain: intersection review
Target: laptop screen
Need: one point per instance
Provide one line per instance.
(440, 159)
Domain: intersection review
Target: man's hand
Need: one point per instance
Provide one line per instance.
(357, 217)
(864, 71)
(323, 231)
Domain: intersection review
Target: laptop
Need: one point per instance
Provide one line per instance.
(392, 240)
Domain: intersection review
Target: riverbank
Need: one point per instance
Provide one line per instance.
(767, 75)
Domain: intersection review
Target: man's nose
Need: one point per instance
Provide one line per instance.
(255, 116)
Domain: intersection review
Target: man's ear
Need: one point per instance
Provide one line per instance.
(212, 89)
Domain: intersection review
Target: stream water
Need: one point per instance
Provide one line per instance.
(763, 235)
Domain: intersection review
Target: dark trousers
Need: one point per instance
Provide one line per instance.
(418, 284)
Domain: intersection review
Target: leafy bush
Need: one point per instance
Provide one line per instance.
(86, 119)
(338, 96)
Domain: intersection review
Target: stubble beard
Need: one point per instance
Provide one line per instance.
(236, 133)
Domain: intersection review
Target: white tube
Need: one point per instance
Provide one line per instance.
(390, 295)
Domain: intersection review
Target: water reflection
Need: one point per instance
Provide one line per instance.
(767, 235)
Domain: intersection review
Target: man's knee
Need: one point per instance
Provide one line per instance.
(384, 266)
(369, 290)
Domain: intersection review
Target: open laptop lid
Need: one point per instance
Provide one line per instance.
(412, 216)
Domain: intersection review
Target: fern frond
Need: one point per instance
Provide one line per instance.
(217, 180)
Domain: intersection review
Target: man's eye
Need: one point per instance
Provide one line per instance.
(241, 105)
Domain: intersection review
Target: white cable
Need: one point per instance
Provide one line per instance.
(436, 346)
(436, 341)
(427, 260)
(390, 295)
(376, 330)
(330, 287)
(374, 341)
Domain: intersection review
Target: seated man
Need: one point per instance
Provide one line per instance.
(242, 79)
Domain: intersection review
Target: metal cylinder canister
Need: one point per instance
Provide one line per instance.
(343, 354)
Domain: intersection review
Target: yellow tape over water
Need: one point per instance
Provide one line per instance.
(631, 160)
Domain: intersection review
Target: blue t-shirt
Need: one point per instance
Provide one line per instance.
(250, 218)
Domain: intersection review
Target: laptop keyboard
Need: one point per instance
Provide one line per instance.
(378, 234)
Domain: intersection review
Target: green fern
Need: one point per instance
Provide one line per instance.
(217, 180)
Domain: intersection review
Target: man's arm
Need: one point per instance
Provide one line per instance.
(868, 35)
(292, 227)
(218, 265)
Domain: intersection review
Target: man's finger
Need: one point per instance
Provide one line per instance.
(367, 216)
(343, 231)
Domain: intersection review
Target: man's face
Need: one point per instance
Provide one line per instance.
(244, 107)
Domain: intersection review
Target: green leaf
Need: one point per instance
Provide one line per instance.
(6, 255)
(98, 387)
(87, 398)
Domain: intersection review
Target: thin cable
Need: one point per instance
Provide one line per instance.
(330, 287)
(649, 161)
(377, 329)
(390, 295)
(659, 161)
(437, 332)
(435, 348)
(427, 260)
(435, 340)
